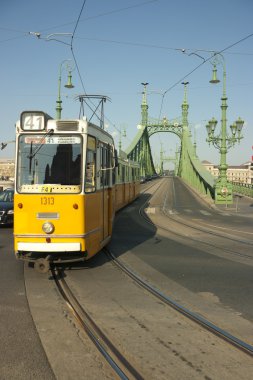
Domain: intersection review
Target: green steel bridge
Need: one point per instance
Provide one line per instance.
(188, 166)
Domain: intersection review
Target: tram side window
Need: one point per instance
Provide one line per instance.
(106, 164)
(114, 168)
(90, 171)
(120, 173)
(123, 174)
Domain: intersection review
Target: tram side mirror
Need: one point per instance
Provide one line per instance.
(116, 158)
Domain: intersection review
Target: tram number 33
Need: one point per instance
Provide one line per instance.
(47, 201)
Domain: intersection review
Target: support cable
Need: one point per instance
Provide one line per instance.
(71, 45)
(201, 64)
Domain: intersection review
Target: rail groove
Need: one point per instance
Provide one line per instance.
(207, 231)
(116, 360)
(238, 343)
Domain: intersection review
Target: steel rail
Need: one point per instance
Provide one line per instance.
(235, 253)
(102, 343)
(238, 343)
(228, 236)
(247, 348)
(148, 187)
(206, 227)
(179, 221)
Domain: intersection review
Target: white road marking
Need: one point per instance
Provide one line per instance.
(150, 210)
(203, 212)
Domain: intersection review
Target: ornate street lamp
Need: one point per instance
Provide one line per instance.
(223, 142)
(69, 68)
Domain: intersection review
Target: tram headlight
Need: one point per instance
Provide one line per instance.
(48, 227)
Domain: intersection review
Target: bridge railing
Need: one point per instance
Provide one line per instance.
(193, 172)
(243, 188)
(135, 141)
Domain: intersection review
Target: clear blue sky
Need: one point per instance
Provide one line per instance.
(119, 44)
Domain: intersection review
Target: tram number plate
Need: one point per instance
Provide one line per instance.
(47, 201)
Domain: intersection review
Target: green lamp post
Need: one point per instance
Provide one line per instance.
(122, 133)
(223, 142)
(161, 160)
(68, 85)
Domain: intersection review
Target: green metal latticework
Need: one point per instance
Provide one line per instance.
(189, 167)
(140, 149)
(243, 188)
(174, 159)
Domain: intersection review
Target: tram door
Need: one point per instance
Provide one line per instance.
(105, 178)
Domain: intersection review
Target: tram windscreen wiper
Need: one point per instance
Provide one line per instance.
(37, 148)
(30, 157)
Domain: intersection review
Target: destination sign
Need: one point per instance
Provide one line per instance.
(56, 140)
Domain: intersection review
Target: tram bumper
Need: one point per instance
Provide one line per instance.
(53, 253)
(52, 247)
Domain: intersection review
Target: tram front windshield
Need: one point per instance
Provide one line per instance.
(49, 164)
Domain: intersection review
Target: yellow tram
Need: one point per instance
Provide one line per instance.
(69, 184)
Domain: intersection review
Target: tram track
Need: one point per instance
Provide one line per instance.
(119, 364)
(179, 222)
(187, 236)
(205, 323)
(208, 230)
(216, 330)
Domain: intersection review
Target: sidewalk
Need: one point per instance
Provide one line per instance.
(242, 206)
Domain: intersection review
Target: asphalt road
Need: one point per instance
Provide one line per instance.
(175, 266)
(21, 355)
(226, 280)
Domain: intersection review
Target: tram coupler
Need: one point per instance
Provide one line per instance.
(42, 265)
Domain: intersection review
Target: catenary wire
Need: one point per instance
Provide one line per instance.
(76, 63)
(72, 49)
(201, 64)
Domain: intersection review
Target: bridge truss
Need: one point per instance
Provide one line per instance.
(189, 166)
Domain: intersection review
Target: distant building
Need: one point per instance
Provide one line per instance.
(241, 174)
(7, 168)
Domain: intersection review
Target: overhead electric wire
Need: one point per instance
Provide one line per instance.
(24, 33)
(201, 64)
(12, 30)
(143, 3)
(74, 57)
(198, 66)
(71, 45)
(236, 43)
(102, 14)
(13, 38)
(207, 60)
(179, 49)
(75, 60)
(137, 44)
(153, 46)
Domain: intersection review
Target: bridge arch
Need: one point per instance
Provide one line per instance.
(189, 167)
